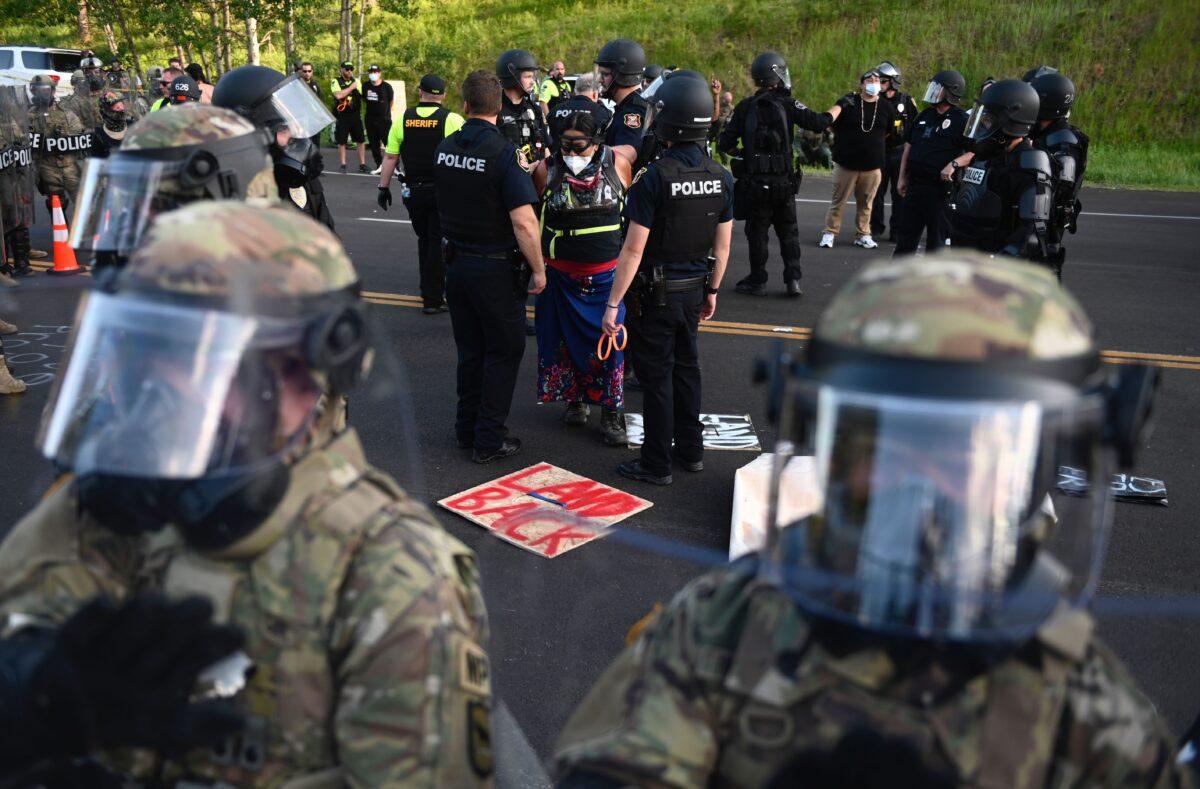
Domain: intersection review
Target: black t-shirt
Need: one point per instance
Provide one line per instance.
(860, 132)
(379, 101)
(936, 139)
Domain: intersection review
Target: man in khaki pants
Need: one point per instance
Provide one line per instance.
(861, 123)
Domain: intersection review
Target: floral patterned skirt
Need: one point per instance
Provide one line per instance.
(569, 315)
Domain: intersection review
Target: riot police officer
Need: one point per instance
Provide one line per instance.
(1067, 148)
(678, 210)
(485, 205)
(651, 73)
(521, 120)
(292, 114)
(905, 112)
(934, 596)
(16, 181)
(934, 142)
(60, 142)
(767, 177)
(414, 141)
(1001, 201)
(618, 68)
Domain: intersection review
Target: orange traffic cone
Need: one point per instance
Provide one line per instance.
(64, 256)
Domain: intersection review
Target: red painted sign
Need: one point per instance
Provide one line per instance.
(545, 509)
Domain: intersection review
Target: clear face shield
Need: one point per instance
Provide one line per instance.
(304, 113)
(118, 198)
(982, 124)
(784, 75)
(934, 519)
(158, 391)
(935, 93)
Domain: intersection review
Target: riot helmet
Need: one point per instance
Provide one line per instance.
(1006, 110)
(887, 70)
(946, 86)
(1056, 95)
(114, 111)
(1038, 71)
(198, 374)
(939, 402)
(175, 156)
(284, 106)
(624, 60)
(683, 108)
(511, 65)
(770, 70)
(41, 90)
(651, 73)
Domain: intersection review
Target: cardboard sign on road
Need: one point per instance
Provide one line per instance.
(545, 509)
(721, 431)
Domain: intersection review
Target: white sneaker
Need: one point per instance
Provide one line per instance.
(826, 240)
(377, 170)
(866, 242)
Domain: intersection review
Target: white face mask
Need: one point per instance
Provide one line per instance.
(376, 77)
(872, 88)
(576, 164)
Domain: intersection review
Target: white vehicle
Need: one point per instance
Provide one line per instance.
(20, 64)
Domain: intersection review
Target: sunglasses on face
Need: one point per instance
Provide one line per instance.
(574, 144)
(305, 71)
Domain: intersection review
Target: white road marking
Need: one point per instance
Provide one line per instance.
(394, 221)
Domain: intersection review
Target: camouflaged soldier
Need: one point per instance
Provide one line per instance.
(16, 181)
(922, 601)
(171, 157)
(193, 396)
(60, 143)
(85, 101)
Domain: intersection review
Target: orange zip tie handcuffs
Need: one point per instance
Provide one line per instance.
(605, 349)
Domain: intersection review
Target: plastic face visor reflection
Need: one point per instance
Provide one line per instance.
(294, 101)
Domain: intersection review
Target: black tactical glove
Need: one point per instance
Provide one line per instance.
(384, 198)
(124, 675)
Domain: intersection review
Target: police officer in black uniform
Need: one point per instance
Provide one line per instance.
(574, 105)
(1067, 148)
(1001, 201)
(767, 177)
(905, 112)
(414, 141)
(257, 93)
(677, 210)
(651, 73)
(485, 202)
(521, 120)
(619, 68)
(934, 141)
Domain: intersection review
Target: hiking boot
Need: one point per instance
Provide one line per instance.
(510, 447)
(632, 469)
(749, 288)
(612, 424)
(6, 327)
(9, 384)
(793, 289)
(577, 414)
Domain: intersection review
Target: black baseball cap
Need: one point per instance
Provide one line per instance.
(433, 84)
(372, 67)
(346, 64)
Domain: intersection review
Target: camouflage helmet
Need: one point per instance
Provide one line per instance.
(78, 79)
(261, 299)
(41, 88)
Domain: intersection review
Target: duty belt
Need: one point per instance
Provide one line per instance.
(507, 256)
(681, 285)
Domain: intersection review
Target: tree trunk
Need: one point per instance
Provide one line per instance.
(179, 54)
(252, 41)
(226, 36)
(215, 28)
(362, 16)
(344, 39)
(120, 14)
(111, 39)
(289, 32)
(85, 26)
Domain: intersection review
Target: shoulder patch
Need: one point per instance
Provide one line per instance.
(633, 120)
(637, 176)
(473, 670)
(479, 739)
(800, 105)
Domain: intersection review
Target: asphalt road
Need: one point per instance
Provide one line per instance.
(557, 623)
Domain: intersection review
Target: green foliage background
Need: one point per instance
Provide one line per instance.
(1135, 62)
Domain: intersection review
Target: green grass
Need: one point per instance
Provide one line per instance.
(1135, 63)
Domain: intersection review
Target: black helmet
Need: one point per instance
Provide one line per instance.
(1008, 108)
(510, 64)
(1056, 94)
(652, 72)
(769, 70)
(626, 59)
(183, 89)
(683, 108)
(245, 90)
(888, 71)
(1037, 71)
(946, 86)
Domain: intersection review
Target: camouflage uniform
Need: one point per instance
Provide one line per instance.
(735, 677)
(364, 618)
(16, 179)
(83, 102)
(57, 172)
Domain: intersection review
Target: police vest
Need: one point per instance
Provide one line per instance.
(975, 205)
(468, 191)
(686, 224)
(768, 151)
(422, 136)
(581, 214)
(564, 91)
(520, 123)
(352, 103)
(51, 144)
